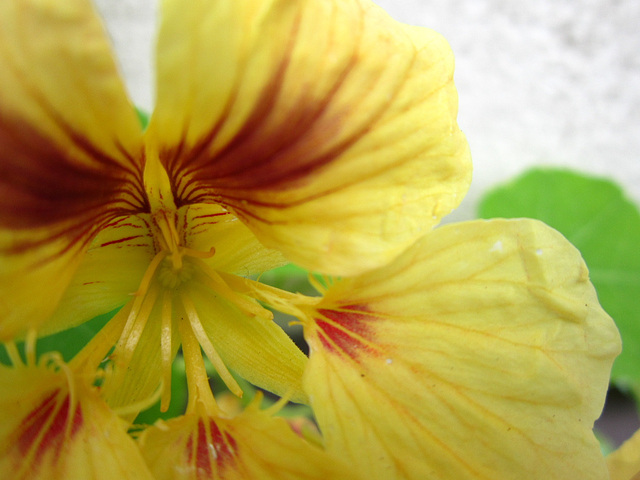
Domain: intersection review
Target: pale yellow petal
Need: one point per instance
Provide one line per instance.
(326, 126)
(109, 274)
(250, 446)
(136, 374)
(29, 294)
(70, 150)
(624, 463)
(54, 427)
(480, 353)
(237, 250)
(253, 346)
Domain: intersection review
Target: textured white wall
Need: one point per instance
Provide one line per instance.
(553, 82)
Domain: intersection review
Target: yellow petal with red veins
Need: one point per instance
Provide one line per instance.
(237, 250)
(109, 274)
(252, 445)
(326, 126)
(56, 427)
(480, 353)
(624, 463)
(70, 150)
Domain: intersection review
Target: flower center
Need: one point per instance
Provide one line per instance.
(172, 271)
(171, 277)
(164, 298)
(169, 266)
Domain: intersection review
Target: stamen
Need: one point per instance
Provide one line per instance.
(93, 353)
(197, 253)
(132, 332)
(277, 406)
(146, 281)
(135, 408)
(55, 359)
(170, 238)
(165, 344)
(281, 300)
(14, 354)
(315, 283)
(209, 349)
(215, 282)
(30, 346)
(197, 379)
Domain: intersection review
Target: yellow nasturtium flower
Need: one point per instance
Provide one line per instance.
(315, 131)
(55, 425)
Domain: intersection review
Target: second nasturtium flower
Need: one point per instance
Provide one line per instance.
(318, 132)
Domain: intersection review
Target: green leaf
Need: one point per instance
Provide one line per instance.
(595, 216)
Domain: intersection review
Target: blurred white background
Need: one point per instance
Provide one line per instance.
(550, 82)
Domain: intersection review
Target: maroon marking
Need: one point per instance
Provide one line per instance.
(211, 215)
(341, 339)
(348, 329)
(33, 423)
(203, 457)
(264, 154)
(44, 185)
(224, 446)
(56, 436)
(354, 322)
(53, 415)
(118, 223)
(121, 240)
(358, 307)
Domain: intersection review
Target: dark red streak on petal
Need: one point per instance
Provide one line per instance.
(202, 456)
(346, 332)
(263, 154)
(348, 329)
(358, 307)
(224, 444)
(121, 240)
(338, 340)
(357, 323)
(50, 191)
(48, 428)
(120, 222)
(42, 184)
(32, 425)
(211, 446)
(222, 214)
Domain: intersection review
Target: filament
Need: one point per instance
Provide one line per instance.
(166, 351)
(209, 349)
(197, 380)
